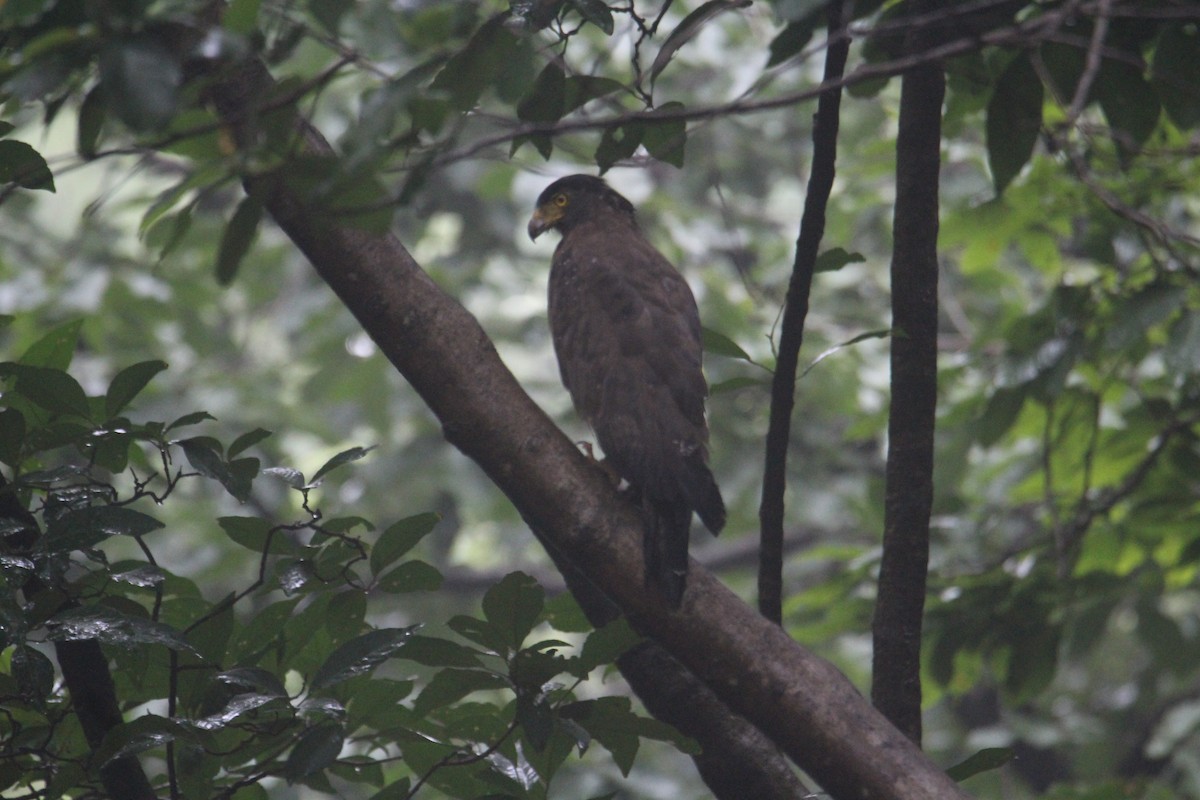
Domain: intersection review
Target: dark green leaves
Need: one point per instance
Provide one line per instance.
(513, 607)
(1176, 74)
(112, 627)
(316, 750)
(595, 12)
(24, 166)
(360, 655)
(344, 457)
(399, 538)
(82, 528)
(1014, 120)
(141, 77)
(237, 239)
(495, 57)
(982, 761)
(128, 383)
(665, 139)
(236, 475)
(51, 389)
(835, 258)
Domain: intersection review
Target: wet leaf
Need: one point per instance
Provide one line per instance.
(110, 626)
(361, 655)
(81, 528)
(316, 749)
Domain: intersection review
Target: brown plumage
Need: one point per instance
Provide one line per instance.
(627, 335)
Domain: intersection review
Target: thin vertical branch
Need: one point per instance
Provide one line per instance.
(896, 679)
(783, 388)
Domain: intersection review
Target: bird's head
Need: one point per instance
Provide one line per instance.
(568, 201)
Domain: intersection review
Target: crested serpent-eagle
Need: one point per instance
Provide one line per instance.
(627, 335)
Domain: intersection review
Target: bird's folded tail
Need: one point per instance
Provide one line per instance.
(666, 550)
(702, 493)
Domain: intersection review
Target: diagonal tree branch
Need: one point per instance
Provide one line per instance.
(808, 708)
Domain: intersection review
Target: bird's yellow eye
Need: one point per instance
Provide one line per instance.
(560, 200)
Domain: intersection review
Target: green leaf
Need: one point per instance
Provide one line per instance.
(687, 29)
(581, 89)
(604, 645)
(453, 684)
(360, 655)
(610, 721)
(481, 62)
(81, 528)
(1136, 313)
(56, 348)
(344, 457)
(253, 533)
(190, 419)
(862, 337)
(513, 606)
(128, 383)
(1129, 103)
(595, 12)
(237, 706)
(721, 345)
(1014, 121)
(141, 77)
(92, 113)
(666, 140)
(139, 735)
(435, 652)
(480, 632)
(241, 16)
(12, 436)
(237, 476)
(546, 99)
(618, 142)
(292, 477)
(110, 626)
(247, 440)
(1002, 410)
(1176, 74)
(52, 389)
(411, 576)
(399, 538)
(791, 40)
(984, 760)
(34, 674)
(316, 749)
(834, 259)
(24, 166)
(329, 13)
(237, 239)
(1182, 353)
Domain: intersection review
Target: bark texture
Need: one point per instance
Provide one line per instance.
(896, 673)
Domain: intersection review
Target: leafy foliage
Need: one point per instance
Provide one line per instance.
(283, 678)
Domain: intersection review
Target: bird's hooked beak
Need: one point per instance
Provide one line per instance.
(545, 217)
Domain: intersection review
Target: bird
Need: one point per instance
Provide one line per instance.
(626, 333)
